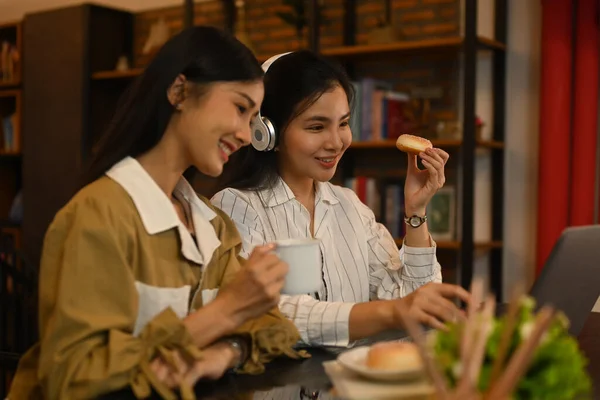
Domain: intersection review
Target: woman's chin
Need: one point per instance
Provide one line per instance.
(324, 176)
(214, 170)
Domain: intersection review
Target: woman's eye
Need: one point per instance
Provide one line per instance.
(315, 128)
(242, 109)
(344, 124)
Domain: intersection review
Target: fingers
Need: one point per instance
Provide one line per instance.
(165, 373)
(435, 307)
(430, 320)
(434, 163)
(445, 156)
(213, 365)
(438, 158)
(452, 291)
(447, 310)
(268, 261)
(274, 281)
(277, 273)
(260, 251)
(194, 373)
(267, 273)
(263, 258)
(432, 304)
(266, 266)
(159, 369)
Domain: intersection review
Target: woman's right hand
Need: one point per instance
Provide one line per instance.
(432, 305)
(257, 286)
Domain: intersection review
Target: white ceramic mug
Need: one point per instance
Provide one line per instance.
(303, 257)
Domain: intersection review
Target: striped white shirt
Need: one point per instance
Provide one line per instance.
(361, 261)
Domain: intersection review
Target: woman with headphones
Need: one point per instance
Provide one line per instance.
(141, 286)
(279, 189)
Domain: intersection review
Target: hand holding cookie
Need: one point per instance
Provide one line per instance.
(421, 185)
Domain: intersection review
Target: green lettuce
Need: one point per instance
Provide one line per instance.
(557, 369)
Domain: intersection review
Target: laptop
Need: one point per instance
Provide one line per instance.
(570, 280)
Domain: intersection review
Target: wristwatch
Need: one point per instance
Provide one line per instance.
(238, 346)
(415, 221)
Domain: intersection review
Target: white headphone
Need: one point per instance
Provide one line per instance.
(263, 131)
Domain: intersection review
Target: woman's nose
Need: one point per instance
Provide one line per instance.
(244, 135)
(335, 140)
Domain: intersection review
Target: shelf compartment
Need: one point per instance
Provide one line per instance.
(130, 73)
(451, 43)
(10, 105)
(12, 33)
(441, 143)
(455, 245)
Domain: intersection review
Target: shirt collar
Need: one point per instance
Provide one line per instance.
(158, 214)
(153, 205)
(281, 193)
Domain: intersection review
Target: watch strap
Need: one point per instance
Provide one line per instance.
(410, 221)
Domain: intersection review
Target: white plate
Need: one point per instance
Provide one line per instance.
(354, 360)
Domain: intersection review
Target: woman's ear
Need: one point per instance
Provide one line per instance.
(177, 92)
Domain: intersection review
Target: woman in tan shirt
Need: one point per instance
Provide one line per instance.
(141, 284)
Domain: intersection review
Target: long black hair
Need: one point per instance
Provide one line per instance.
(292, 84)
(203, 55)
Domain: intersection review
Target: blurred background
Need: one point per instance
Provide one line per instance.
(480, 78)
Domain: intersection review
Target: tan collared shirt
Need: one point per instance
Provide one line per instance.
(118, 273)
(361, 261)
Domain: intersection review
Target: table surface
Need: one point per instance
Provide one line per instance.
(287, 379)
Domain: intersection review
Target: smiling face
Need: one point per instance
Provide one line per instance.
(211, 126)
(315, 140)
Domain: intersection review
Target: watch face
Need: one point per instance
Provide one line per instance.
(414, 222)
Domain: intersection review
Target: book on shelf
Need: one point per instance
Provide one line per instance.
(387, 208)
(9, 57)
(15, 215)
(379, 112)
(441, 214)
(386, 200)
(8, 142)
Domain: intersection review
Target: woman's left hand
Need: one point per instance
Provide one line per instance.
(421, 185)
(216, 360)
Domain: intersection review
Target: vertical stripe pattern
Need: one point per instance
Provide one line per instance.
(361, 261)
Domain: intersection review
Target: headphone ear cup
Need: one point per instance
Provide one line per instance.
(263, 134)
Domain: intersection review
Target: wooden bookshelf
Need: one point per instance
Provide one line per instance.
(11, 107)
(131, 73)
(441, 143)
(10, 158)
(491, 44)
(453, 43)
(376, 160)
(455, 245)
(11, 84)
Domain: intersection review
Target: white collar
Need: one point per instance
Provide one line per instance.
(158, 214)
(281, 193)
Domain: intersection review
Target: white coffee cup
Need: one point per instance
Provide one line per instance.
(303, 257)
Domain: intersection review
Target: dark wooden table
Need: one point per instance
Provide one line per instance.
(302, 380)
